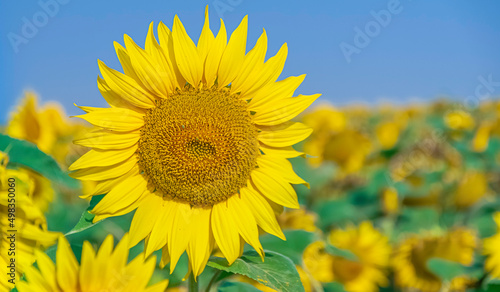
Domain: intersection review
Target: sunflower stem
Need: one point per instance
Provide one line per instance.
(192, 284)
(213, 280)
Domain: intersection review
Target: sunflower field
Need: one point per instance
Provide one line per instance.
(206, 173)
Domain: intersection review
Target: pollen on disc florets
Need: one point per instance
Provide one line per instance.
(198, 146)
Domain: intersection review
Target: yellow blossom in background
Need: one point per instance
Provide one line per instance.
(472, 187)
(348, 149)
(298, 219)
(318, 262)
(103, 270)
(48, 127)
(387, 134)
(365, 274)
(411, 257)
(459, 120)
(325, 122)
(29, 222)
(491, 250)
(390, 201)
(482, 137)
(203, 163)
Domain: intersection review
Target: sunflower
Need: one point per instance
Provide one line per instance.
(47, 127)
(197, 140)
(459, 120)
(365, 274)
(472, 188)
(411, 256)
(104, 270)
(28, 229)
(490, 249)
(298, 219)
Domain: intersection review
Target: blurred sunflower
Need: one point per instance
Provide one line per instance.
(104, 270)
(298, 219)
(459, 120)
(491, 250)
(365, 274)
(390, 201)
(411, 256)
(197, 140)
(482, 137)
(387, 134)
(30, 224)
(47, 127)
(472, 187)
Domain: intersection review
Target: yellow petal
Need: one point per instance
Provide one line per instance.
(145, 69)
(262, 211)
(165, 256)
(115, 119)
(268, 74)
(254, 62)
(201, 244)
(285, 152)
(67, 266)
(162, 63)
(286, 134)
(180, 219)
(88, 273)
(276, 189)
(126, 87)
(158, 287)
(279, 111)
(105, 172)
(115, 100)
(234, 54)
(96, 157)
(159, 231)
(275, 91)
(279, 167)
(145, 218)
(206, 38)
(215, 54)
(166, 43)
(245, 221)
(225, 232)
(107, 140)
(122, 195)
(46, 267)
(186, 55)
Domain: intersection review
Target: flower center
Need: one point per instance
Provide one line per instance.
(198, 146)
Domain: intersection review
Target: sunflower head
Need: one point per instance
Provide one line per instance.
(30, 223)
(472, 188)
(412, 255)
(103, 270)
(196, 139)
(366, 273)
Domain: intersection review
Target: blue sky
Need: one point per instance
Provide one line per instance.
(425, 50)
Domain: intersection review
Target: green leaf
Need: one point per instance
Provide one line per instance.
(333, 287)
(445, 269)
(237, 286)
(26, 154)
(346, 254)
(85, 221)
(277, 271)
(293, 247)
